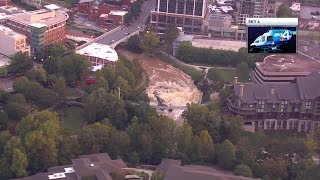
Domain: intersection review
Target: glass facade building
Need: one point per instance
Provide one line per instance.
(187, 14)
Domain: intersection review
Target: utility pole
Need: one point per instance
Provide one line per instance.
(119, 91)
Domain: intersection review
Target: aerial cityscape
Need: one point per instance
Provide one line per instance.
(160, 89)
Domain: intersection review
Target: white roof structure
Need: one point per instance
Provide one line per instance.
(52, 7)
(295, 7)
(38, 25)
(101, 51)
(215, 9)
(118, 13)
(224, 2)
(96, 68)
(85, 1)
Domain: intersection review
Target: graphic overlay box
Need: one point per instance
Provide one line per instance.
(272, 35)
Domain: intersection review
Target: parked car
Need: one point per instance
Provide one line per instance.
(317, 13)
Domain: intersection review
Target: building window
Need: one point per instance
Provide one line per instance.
(162, 18)
(308, 106)
(154, 18)
(187, 29)
(197, 22)
(188, 21)
(261, 106)
(284, 106)
(198, 8)
(189, 7)
(171, 20)
(179, 20)
(295, 107)
(163, 6)
(172, 6)
(196, 30)
(180, 8)
(273, 108)
(318, 106)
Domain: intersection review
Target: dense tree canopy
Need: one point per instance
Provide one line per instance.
(20, 63)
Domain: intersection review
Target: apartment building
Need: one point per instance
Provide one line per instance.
(189, 15)
(251, 9)
(42, 27)
(283, 68)
(292, 106)
(12, 42)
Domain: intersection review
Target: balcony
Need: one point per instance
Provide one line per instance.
(239, 110)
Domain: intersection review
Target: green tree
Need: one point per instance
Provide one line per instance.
(52, 65)
(134, 158)
(3, 121)
(244, 156)
(55, 50)
(275, 168)
(150, 42)
(13, 162)
(201, 118)
(134, 44)
(225, 155)
(118, 143)
(37, 74)
(128, 17)
(5, 136)
(157, 175)
(205, 145)
(72, 66)
(20, 63)
(124, 87)
(94, 138)
(243, 71)
(41, 134)
(68, 148)
(172, 32)
(284, 11)
(185, 142)
(16, 111)
(19, 163)
(135, 9)
(3, 71)
(243, 170)
(60, 88)
(235, 129)
(102, 83)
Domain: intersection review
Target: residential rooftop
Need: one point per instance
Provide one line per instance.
(288, 63)
(43, 17)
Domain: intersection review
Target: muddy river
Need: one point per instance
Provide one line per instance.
(168, 86)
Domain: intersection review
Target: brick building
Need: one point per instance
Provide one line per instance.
(292, 106)
(42, 27)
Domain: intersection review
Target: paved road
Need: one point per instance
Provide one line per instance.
(140, 22)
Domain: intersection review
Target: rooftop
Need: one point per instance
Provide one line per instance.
(44, 17)
(118, 13)
(9, 32)
(99, 51)
(307, 87)
(288, 63)
(184, 38)
(295, 7)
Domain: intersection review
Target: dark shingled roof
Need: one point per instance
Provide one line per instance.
(306, 88)
(99, 165)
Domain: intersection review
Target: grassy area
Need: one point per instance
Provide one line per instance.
(222, 75)
(73, 118)
(195, 74)
(72, 92)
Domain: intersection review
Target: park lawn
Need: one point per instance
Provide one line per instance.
(225, 75)
(73, 118)
(71, 92)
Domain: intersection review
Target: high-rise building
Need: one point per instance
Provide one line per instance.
(42, 27)
(187, 14)
(251, 9)
(12, 42)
